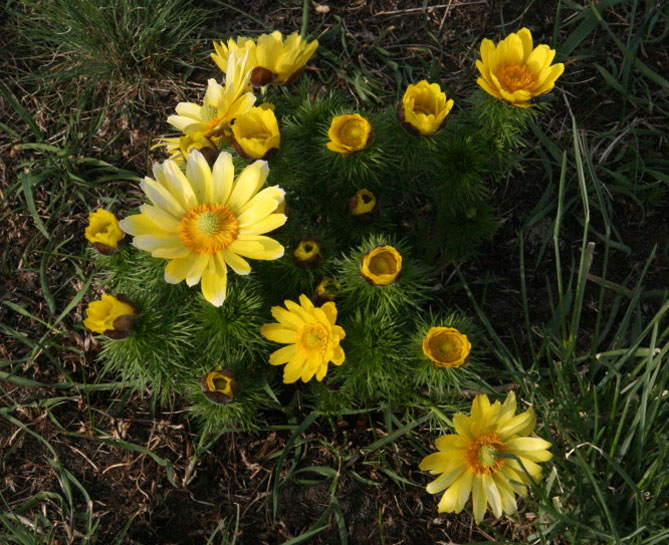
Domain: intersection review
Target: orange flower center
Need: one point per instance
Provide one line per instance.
(208, 228)
(481, 454)
(312, 338)
(516, 76)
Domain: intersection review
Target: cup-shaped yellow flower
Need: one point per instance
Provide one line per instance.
(205, 221)
(113, 316)
(381, 265)
(349, 133)
(220, 386)
(256, 134)
(271, 59)
(104, 232)
(363, 203)
(221, 104)
(424, 108)
(469, 460)
(446, 347)
(311, 336)
(307, 254)
(515, 71)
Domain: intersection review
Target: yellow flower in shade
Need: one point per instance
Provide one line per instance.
(424, 108)
(468, 461)
(326, 290)
(271, 59)
(349, 133)
(113, 316)
(307, 254)
(381, 265)
(220, 386)
(204, 221)
(446, 347)
(256, 134)
(103, 232)
(515, 71)
(221, 104)
(362, 203)
(312, 338)
(179, 147)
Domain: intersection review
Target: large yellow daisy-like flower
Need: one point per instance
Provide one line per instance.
(271, 59)
(221, 104)
(469, 460)
(205, 221)
(312, 338)
(515, 71)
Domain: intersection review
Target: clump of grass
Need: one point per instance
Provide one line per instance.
(114, 46)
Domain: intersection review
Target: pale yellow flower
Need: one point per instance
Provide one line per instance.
(103, 231)
(270, 58)
(256, 134)
(311, 336)
(381, 265)
(113, 316)
(349, 133)
(221, 104)
(204, 221)
(178, 147)
(446, 347)
(468, 461)
(515, 71)
(424, 108)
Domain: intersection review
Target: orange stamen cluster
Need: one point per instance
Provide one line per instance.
(516, 76)
(208, 228)
(480, 456)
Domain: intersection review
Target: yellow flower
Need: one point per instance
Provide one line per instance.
(307, 255)
(326, 290)
(363, 202)
(103, 231)
(446, 347)
(204, 221)
(424, 108)
(256, 134)
(468, 460)
(312, 338)
(220, 386)
(515, 71)
(381, 265)
(271, 59)
(178, 147)
(221, 104)
(112, 316)
(349, 133)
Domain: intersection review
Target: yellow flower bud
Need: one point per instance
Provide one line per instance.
(103, 232)
(256, 134)
(381, 265)
(424, 108)
(307, 254)
(220, 386)
(446, 347)
(113, 316)
(349, 133)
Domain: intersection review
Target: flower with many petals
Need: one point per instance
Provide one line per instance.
(256, 134)
(113, 316)
(470, 462)
(221, 104)
(349, 133)
(271, 59)
(103, 232)
(204, 221)
(381, 265)
(515, 71)
(446, 347)
(178, 147)
(424, 108)
(311, 336)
